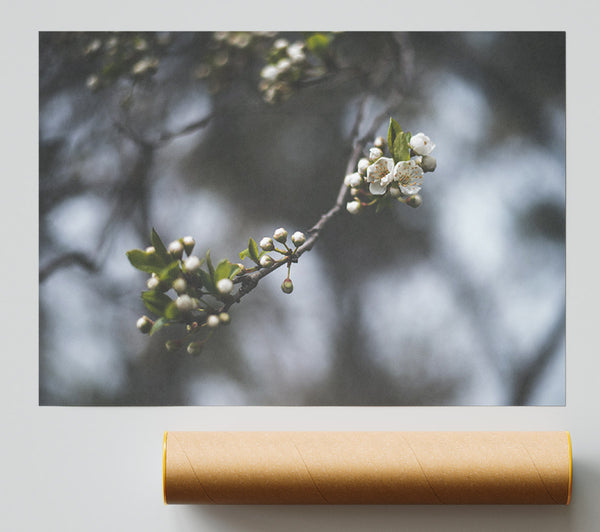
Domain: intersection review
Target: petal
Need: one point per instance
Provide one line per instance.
(376, 189)
(379, 169)
(409, 190)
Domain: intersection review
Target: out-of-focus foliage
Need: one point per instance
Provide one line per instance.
(458, 302)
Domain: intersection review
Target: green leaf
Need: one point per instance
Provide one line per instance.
(207, 281)
(159, 324)
(401, 149)
(171, 312)
(146, 262)
(222, 270)
(211, 268)
(235, 269)
(170, 273)
(155, 301)
(394, 131)
(253, 250)
(318, 43)
(244, 254)
(160, 248)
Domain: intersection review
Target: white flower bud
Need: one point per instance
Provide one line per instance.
(298, 238)
(374, 154)
(394, 192)
(266, 261)
(179, 285)
(144, 324)
(355, 179)
(363, 164)
(414, 201)
(266, 243)
(185, 303)
(269, 72)
(191, 264)
(188, 244)
(93, 82)
(225, 286)
(176, 249)
(353, 207)
(283, 65)
(428, 164)
(213, 321)
(152, 283)
(150, 249)
(280, 44)
(224, 318)
(379, 142)
(296, 52)
(421, 144)
(287, 286)
(280, 235)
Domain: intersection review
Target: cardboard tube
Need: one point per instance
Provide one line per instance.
(367, 468)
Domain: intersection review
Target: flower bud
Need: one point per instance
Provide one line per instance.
(421, 144)
(195, 348)
(153, 283)
(429, 164)
(280, 44)
(283, 65)
(353, 207)
(266, 261)
(188, 244)
(213, 321)
(179, 285)
(280, 235)
(144, 324)
(266, 243)
(224, 318)
(150, 249)
(225, 286)
(172, 345)
(394, 192)
(185, 303)
(269, 72)
(380, 143)
(355, 179)
(287, 286)
(374, 154)
(191, 264)
(298, 238)
(362, 166)
(176, 249)
(414, 201)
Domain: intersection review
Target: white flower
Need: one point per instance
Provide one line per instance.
(280, 44)
(185, 303)
(296, 52)
(265, 261)
(298, 238)
(225, 286)
(379, 175)
(421, 144)
(283, 64)
(280, 235)
(266, 243)
(353, 207)
(409, 176)
(192, 263)
(374, 154)
(269, 72)
(363, 164)
(353, 180)
(212, 321)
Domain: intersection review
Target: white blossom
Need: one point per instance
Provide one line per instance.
(353, 207)
(363, 164)
(421, 144)
(192, 263)
(298, 238)
(280, 44)
(353, 180)
(225, 286)
(266, 243)
(296, 52)
(212, 321)
(269, 72)
(185, 303)
(283, 64)
(374, 154)
(409, 176)
(379, 175)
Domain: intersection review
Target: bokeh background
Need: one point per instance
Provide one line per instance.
(458, 302)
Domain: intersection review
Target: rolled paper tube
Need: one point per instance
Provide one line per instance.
(367, 467)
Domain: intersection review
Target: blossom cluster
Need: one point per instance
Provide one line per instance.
(287, 63)
(379, 179)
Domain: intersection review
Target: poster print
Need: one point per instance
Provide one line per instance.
(334, 218)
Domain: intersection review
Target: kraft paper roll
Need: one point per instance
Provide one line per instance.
(367, 468)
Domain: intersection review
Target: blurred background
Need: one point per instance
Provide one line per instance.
(458, 302)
